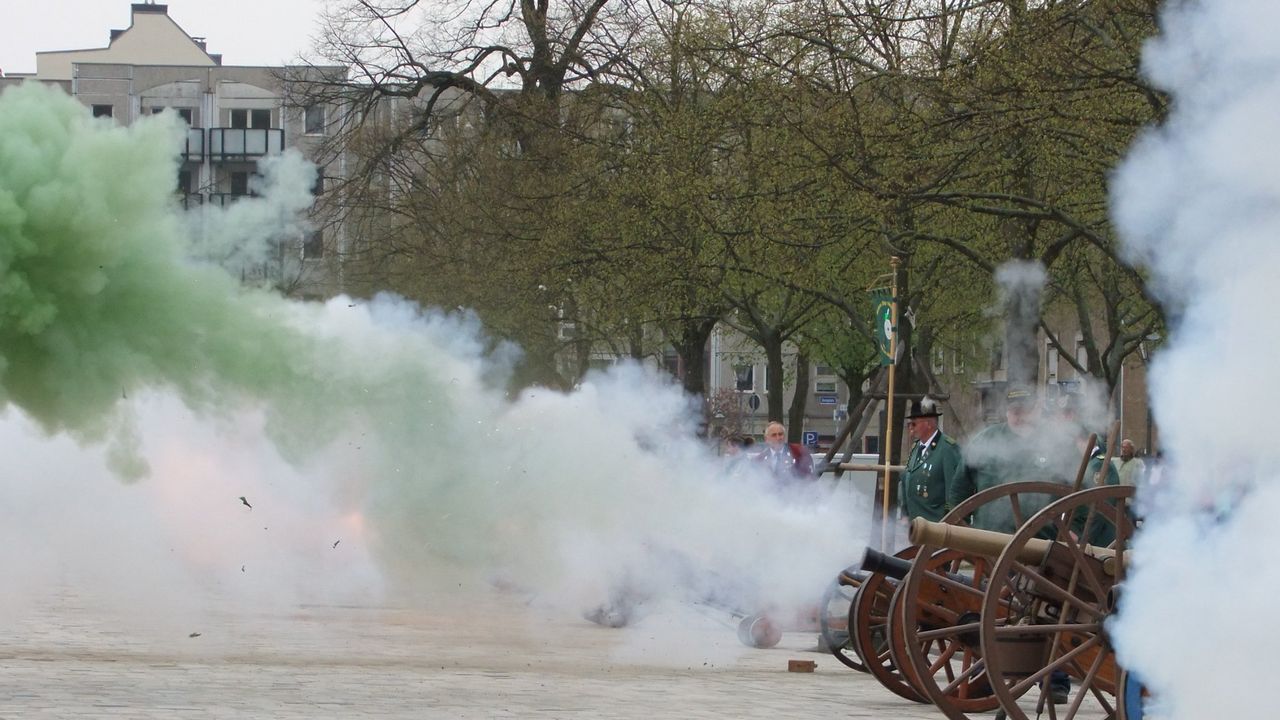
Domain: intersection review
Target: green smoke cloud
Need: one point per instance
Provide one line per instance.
(96, 298)
(100, 297)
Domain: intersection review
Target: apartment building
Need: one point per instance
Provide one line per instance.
(236, 116)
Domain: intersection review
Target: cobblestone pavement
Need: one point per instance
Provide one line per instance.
(489, 659)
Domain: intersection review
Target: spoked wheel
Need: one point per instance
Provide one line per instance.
(1044, 638)
(833, 617)
(870, 627)
(943, 596)
(936, 632)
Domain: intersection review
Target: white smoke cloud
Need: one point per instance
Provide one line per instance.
(571, 500)
(1198, 202)
(262, 229)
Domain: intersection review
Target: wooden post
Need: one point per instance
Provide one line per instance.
(894, 262)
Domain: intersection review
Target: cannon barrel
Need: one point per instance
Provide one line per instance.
(875, 561)
(991, 543)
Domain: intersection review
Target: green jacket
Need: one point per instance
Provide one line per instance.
(998, 456)
(924, 487)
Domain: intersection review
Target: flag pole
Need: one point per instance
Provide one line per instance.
(894, 262)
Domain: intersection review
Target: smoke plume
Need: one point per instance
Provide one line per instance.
(1198, 203)
(286, 451)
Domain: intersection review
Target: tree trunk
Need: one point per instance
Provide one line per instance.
(773, 385)
(690, 343)
(799, 401)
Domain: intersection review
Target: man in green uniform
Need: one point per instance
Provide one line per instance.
(934, 466)
(1023, 447)
(1026, 446)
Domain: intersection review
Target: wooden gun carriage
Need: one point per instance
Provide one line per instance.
(976, 620)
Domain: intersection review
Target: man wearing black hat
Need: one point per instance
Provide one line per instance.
(933, 468)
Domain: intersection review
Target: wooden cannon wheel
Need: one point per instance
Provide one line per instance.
(937, 642)
(1049, 615)
(869, 627)
(833, 617)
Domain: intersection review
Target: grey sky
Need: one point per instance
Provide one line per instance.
(245, 32)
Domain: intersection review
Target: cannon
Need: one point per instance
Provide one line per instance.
(1043, 609)
(935, 638)
(875, 617)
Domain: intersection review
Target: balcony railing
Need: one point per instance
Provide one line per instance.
(225, 199)
(238, 144)
(194, 150)
(191, 200)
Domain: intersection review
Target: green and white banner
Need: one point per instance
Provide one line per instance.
(882, 323)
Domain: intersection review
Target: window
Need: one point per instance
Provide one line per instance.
(184, 113)
(239, 183)
(823, 370)
(671, 361)
(317, 187)
(939, 360)
(313, 245)
(313, 122)
(184, 181)
(745, 378)
(103, 111)
(1082, 352)
(1050, 361)
(824, 387)
(250, 119)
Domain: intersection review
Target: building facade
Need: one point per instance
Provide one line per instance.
(235, 117)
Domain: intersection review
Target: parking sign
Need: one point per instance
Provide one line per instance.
(810, 438)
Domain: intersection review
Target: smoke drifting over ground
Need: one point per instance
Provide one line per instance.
(288, 452)
(1198, 201)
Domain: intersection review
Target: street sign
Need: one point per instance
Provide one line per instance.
(753, 402)
(810, 438)
(828, 400)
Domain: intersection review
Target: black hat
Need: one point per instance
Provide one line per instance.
(924, 407)
(1019, 394)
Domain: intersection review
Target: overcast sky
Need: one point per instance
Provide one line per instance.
(246, 32)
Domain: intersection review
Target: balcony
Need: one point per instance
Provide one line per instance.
(193, 151)
(241, 144)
